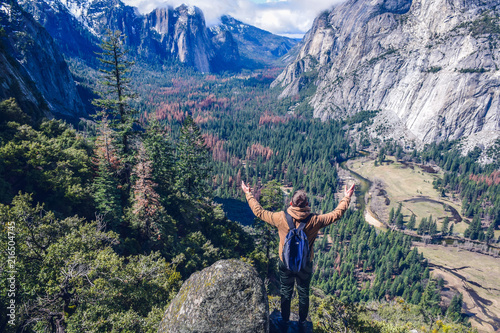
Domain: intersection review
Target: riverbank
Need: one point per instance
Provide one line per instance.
(394, 183)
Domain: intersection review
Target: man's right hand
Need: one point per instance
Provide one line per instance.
(245, 188)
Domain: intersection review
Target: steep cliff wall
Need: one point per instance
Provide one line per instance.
(431, 66)
(32, 69)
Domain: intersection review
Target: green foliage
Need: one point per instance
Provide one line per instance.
(160, 150)
(271, 198)
(411, 223)
(430, 300)
(454, 311)
(472, 70)
(361, 265)
(72, 278)
(474, 230)
(332, 315)
(400, 316)
(381, 155)
(51, 162)
(485, 25)
(434, 69)
(444, 227)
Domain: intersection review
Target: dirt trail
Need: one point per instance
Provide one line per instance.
(371, 219)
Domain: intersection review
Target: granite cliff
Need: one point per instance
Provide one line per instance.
(431, 67)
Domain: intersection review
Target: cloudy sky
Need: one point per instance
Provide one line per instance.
(283, 17)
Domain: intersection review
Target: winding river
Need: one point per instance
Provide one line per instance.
(362, 192)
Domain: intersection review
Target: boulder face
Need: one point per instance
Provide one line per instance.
(430, 66)
(228, 296)
(32, 69)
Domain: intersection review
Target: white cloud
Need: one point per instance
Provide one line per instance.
(284, 17)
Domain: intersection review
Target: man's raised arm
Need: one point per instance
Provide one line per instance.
(261, 213)
(327, 219)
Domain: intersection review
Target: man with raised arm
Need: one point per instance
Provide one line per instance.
(299, 211)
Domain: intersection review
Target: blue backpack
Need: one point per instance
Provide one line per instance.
(296, 253)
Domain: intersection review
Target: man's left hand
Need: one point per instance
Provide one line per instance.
(245, 188)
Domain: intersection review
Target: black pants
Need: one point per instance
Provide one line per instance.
(287, 281)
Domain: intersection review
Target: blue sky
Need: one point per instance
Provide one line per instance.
(284, 17)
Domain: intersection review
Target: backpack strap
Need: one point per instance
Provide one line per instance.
(291, 225)
(289, 220)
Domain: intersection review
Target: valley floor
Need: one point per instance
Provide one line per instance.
(475, 276)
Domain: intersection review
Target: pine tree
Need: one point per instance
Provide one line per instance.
(411, 223)
(162, 155)
(432, 228)
(422, 227)
(431, 298)
(391, 215)
(399, 221)
(474, 228)
(454, 311)
(114, 101)
(381, 156)
(105, 186)
(490, 233)
(192, 161)
(107, 195)
(398, 211)
(444, 227)
(272, 199)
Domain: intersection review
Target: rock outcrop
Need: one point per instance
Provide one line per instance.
(228, 296)
(32, 69)
(431, 67)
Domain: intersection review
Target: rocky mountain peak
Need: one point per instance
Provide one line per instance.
(189, 10)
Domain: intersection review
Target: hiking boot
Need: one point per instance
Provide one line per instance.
(302, 326)
(283, 325)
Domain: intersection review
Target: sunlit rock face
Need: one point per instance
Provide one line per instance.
(430, 66)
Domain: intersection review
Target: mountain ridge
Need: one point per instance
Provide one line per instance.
(162, 35)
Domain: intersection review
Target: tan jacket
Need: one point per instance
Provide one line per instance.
(311, 229)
